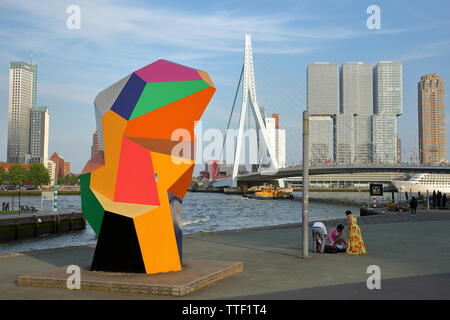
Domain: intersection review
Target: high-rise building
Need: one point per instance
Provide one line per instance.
(39, 134)
(384, 139)
(363, 139)
(95, 143)
(280, 142)
(388, 105)
(399, 150)
(277, 138)
(59, 164)
(323, 105)
(323, 88)
(356, 88)
(321, 139)
(354, 130)
(431, 107)
(22, 98)
(344, 152)
(364, 111)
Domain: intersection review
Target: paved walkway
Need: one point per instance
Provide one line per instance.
(412, 252)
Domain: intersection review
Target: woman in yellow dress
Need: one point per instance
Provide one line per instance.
(355, 243)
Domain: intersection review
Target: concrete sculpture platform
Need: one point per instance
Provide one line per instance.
(195, 275)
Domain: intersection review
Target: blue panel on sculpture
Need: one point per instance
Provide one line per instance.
(126, 101)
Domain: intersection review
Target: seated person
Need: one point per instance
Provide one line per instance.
(335, 240)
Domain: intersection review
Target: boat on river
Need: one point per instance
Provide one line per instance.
(269, 192)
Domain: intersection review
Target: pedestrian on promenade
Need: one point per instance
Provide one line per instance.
(355, 243)
(439, 200)
(3, 206)
(7, 206)
(433, 199)
(335, 240)
(444, 201)
(413, 204)
(319, 233)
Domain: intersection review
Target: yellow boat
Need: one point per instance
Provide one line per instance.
(269, 192)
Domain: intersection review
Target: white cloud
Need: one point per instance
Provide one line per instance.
(426, 51)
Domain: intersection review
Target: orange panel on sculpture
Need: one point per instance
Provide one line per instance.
(179, 188)
(103, 180)
(177, 112)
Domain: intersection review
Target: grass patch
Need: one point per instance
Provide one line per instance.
(9, 212)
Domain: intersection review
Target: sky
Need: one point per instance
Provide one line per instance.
(116, 38)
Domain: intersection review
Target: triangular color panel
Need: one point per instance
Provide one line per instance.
(163, 71)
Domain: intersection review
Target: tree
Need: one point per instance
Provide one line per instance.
(16, 174)
(2, 175)
(38, 174)
(69, 180)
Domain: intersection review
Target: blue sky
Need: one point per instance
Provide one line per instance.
(118, 37)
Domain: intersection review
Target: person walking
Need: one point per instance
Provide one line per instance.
(444, 201)
(413, 204)
(3, 206)
(439, 198)
(355, 243)
(433, 200)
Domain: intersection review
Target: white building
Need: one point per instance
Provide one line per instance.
(281, 147)
(22, 98)
(277, 138)
(51, 167)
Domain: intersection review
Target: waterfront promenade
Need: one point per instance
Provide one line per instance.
(413, 253)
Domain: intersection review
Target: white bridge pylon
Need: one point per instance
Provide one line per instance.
(249, 99)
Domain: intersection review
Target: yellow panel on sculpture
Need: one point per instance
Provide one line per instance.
(131, 210)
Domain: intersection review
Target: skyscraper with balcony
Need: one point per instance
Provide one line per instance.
(388, 105)
(39, 134)
(431, 107)
(21, 99)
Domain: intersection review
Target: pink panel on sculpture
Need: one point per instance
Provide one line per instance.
(135, 179)
(163, 70)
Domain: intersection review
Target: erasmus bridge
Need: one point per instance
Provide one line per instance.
(270, 166)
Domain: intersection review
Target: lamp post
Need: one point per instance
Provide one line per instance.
(20, 188)
(305, 185)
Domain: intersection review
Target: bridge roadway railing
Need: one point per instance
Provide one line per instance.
(296, 171)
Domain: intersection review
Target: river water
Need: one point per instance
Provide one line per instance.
(202, 212)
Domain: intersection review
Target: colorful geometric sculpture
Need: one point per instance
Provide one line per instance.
(132, 189)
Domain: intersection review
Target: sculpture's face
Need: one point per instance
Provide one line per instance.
(140, 119)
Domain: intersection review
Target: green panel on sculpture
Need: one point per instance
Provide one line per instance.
(158, 94)
(92, 209)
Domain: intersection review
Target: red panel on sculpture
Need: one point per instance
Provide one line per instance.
(135, 179)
